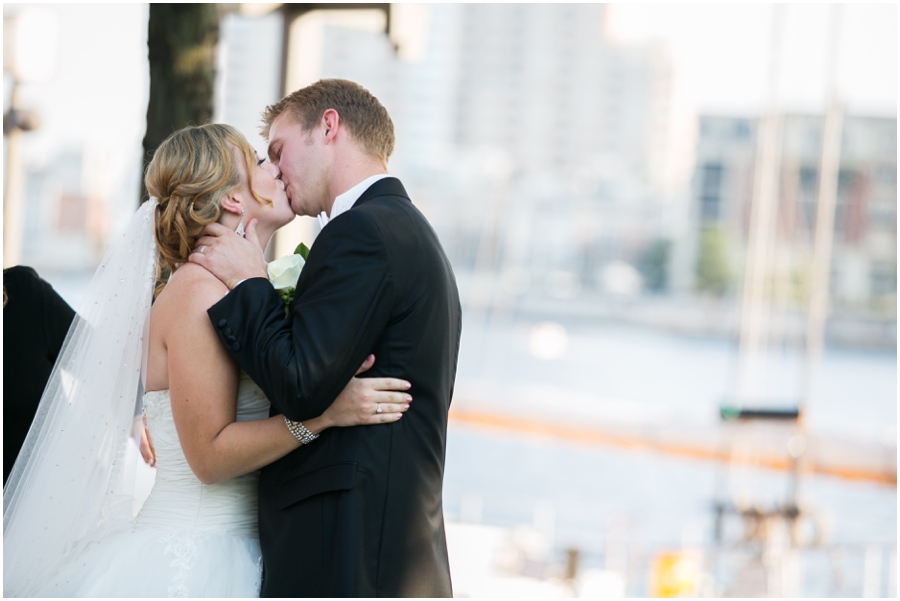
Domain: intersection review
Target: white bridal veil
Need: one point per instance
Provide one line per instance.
(70, 485)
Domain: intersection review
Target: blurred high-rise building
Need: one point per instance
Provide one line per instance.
(517, 123)
(248, 71)
(542, 82)
(864, 254)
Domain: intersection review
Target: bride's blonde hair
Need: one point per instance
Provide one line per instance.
(191, 172)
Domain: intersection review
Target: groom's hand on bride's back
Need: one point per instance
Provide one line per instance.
(146, 445)
(228, 256)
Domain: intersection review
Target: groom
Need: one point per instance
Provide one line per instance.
(358, 511)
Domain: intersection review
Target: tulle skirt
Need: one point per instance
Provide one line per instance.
(160, 563)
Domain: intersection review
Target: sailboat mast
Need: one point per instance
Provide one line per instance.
(820, 273)
(761, 234)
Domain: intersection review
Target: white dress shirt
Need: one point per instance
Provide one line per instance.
(345, 201)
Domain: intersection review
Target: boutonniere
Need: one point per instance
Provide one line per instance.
(284, 273)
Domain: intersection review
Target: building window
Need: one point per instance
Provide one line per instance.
(741, 129)
(808, 177)
(846, 179)
(883, 279)
(882, 216)
(806, 205)
(710, 191)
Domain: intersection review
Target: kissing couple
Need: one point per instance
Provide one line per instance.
(299, 442)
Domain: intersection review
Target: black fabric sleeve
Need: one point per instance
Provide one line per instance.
(343, 302)
(58, 316)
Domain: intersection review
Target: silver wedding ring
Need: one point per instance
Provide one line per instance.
(377, 407)
(201, 249)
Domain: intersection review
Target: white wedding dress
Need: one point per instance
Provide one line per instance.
(189, 539)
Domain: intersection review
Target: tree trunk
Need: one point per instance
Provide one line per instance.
(181, 44)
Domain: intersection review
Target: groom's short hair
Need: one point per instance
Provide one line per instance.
(362, 113)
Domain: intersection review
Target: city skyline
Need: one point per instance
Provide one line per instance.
(93, 101)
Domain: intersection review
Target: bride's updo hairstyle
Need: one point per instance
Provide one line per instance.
(191, 172)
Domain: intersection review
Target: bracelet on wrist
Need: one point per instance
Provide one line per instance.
(299, 431)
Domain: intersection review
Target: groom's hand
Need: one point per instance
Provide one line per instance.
(146, 446)
(229, 257)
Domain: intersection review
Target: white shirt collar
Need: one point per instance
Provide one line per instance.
(345, 201)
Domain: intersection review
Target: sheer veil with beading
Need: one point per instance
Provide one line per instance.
(72, 484)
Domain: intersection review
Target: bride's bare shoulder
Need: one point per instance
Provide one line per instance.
(190, 289)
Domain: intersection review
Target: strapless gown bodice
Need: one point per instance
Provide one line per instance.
(178, 498)
(189, 539)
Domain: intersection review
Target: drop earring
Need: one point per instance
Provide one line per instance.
(240, 228)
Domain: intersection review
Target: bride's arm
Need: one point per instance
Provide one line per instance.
(203, 383)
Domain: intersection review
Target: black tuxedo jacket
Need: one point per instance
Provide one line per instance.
(358, 511)
(35, 322)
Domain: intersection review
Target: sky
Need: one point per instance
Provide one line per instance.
(722, 52)
(97, 86)
(88, 80)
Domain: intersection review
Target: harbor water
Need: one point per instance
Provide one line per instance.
(620, 507)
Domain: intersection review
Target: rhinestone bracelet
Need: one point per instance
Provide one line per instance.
(299, 431)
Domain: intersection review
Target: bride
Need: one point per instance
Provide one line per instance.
(69, 520)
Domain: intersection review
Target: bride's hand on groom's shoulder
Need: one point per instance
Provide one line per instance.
(228, 256)
(366, 401)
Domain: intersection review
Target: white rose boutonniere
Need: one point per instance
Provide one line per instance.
(284, 273)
